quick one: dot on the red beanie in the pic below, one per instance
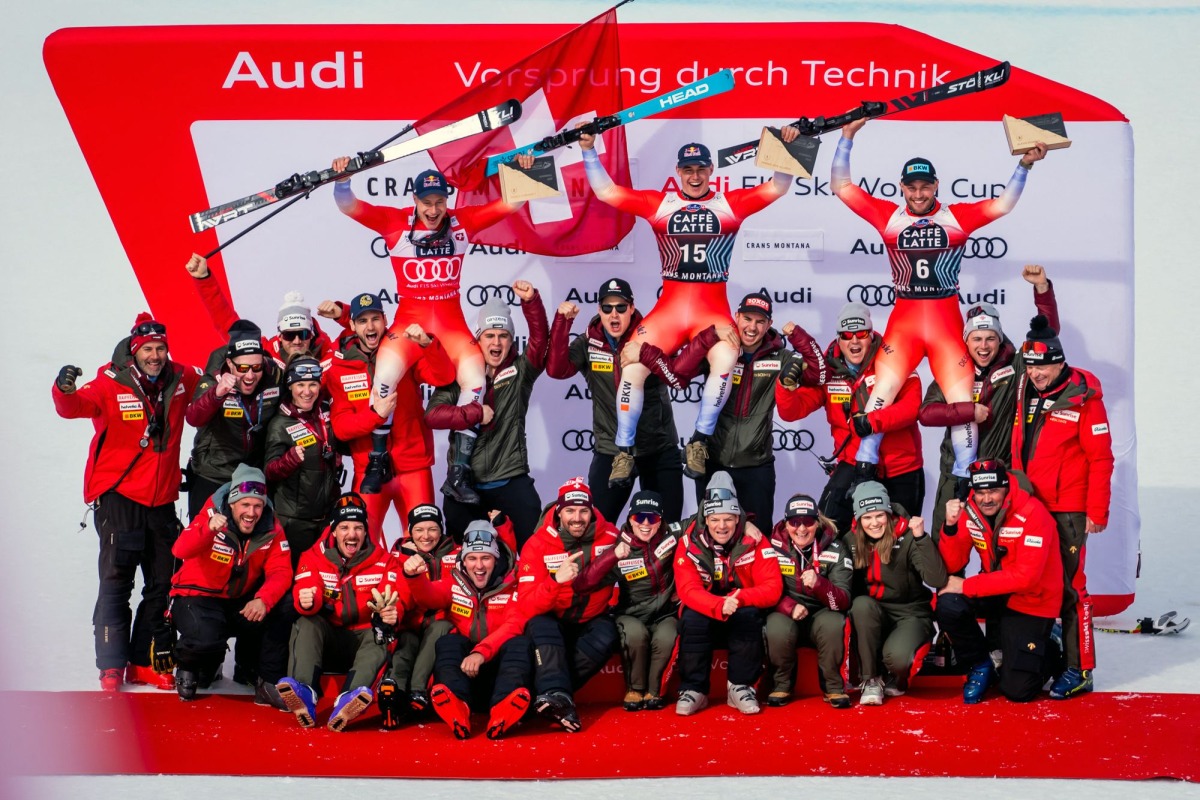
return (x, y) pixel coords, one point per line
(146, 329)
(574, 492)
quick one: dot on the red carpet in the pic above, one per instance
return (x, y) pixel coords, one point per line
(928, 733)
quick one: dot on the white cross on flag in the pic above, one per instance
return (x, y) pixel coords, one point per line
(574, 78)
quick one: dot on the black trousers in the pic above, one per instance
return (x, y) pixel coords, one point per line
(755, 490)
(568, 654)
(907, 489)
(1028, 659)
(301, 535)
(132, 537)
(518, 499)
(509, 670)
(700, 634)
(205, 625)
(660, 472)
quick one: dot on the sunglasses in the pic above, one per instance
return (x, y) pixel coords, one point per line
(149, 329)
(846, 336)
(244, 368)
(987, 465)
(479, 537)
(608, 308)
(802, 521)
(291, 336)
(252, 487)
(646, 518)
(306, 372)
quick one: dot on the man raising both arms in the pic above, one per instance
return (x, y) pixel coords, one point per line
(695, 228)
(925, 241)
(427, 243)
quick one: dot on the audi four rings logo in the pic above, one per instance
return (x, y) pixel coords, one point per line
(871, 294)
(574, 441)
(478, 295)
(985, 247)
(688, 394)
(432, 270)
(792, 441)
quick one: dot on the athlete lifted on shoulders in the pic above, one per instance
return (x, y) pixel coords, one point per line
(924, 240)
(427, 243)
(695, 228)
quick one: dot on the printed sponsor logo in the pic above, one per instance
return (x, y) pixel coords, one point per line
(131, 405)
(748, 558)
(223, 548)
(554, 561)
(270, 394)
(505, 374)
(666, 548)
(637, 574)
(479, 294)
(460, 610)
(1002, 373)
(234, 413)
(1010, 532)
(1033, 541)
(361, 394)
(771, 365)
(791, 441)
(574, 441)
(1067, 416)
(631, 564)
(124, 398)
(357, 376)
(368, 580)
(1100, 428)
(132, 416)
(500, 599)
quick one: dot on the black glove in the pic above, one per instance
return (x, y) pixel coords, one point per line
(384, 633)
(861, 425)
(790, 376)
(162, 647)
(66, 378)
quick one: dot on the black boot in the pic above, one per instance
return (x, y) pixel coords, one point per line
(863, 471)
(458, 475)
(392, 705)
(186, 684)
(379, 466)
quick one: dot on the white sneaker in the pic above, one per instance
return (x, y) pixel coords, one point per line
(690, 701)
(872, 693)
(742, 697)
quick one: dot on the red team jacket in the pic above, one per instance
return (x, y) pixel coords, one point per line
(120, 415)
(540, 559)
(344, 587)
(900, 450)
(749, 567)
(489, 619)
(209, 558)
(1029, 570)
(349, 381)
(1071, 465)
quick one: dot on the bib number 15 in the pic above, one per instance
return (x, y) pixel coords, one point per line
(694, 252)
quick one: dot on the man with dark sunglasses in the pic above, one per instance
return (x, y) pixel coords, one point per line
(1062, 442)
(230, 411)
(1018, 590)
(137, 405)
(298, 334)
(596, 354)
(235, 569)
(998, 363)
(741, 443)
(851, 359)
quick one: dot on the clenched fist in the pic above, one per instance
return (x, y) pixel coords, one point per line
(197, 266)
(66, 378)
(568, 309)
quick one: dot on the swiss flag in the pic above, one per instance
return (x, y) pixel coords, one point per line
(574, 78)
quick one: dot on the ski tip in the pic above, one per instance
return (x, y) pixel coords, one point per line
(510, 111)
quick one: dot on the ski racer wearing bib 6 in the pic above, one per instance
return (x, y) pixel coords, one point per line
(695, 228)
(427, 243)
(925, 241)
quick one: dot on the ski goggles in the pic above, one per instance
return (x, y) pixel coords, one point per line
(717, 494)
(609, 308)
(646, 518)
(242, 369)
(245, 488)
(150, 328)
(291, 336)
(479, 537)
(304, 372)
(846, 336)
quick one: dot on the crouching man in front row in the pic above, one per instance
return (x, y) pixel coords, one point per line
(334, 596)
(1018, 589)
(486, 659)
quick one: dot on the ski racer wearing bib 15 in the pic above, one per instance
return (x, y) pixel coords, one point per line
(427, 243)
(925, 241)
(695, 228)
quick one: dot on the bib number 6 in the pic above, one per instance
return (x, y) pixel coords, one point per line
(922, 268)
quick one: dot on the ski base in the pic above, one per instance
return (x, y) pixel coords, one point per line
(489, 119)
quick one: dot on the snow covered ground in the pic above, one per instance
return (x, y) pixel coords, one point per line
(67, 302)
